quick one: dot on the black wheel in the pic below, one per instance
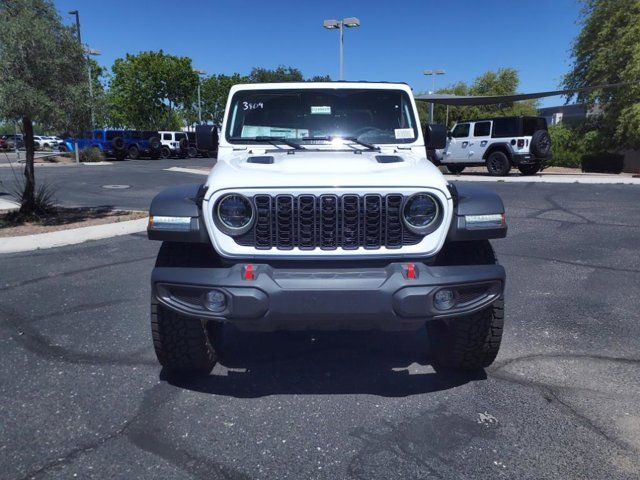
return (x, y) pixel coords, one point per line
(133, 152)
(498, 164)
(154, 143)
(530, 169)
(62, 147)
(165, 152)
(470, 342)
(540, 145)
(118, 143)
(192, 152)
(455, 169)
(182, 344)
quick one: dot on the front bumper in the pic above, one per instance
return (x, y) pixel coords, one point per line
(354, 298)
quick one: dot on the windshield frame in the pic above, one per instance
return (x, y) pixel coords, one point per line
(401, 89)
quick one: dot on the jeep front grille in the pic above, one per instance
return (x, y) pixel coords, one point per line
(328, 222)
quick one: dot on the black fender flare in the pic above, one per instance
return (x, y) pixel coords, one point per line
(500, 146)
(470, 199)
(179, 201)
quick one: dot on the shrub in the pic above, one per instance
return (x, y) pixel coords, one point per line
(567, 146)
(91, 155)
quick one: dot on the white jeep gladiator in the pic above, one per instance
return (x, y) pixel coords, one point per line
(323, 212)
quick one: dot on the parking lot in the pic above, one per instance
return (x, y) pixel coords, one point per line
(82, 394)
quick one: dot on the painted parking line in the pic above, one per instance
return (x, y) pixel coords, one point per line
(187, 170)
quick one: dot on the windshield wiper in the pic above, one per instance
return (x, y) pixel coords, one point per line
(273, 141)
(368, 146)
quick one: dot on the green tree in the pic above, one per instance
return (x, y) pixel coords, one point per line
(607, 51)
(504, 81)
(279, 74)
(43, 77)
(214, 93)
(146, 90)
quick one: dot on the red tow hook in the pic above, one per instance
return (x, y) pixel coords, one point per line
(248, 272)
(412, 273)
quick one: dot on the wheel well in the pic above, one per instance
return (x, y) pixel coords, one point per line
(500, 147)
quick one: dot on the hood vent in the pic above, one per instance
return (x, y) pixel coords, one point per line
(389, 159)
(262, 159)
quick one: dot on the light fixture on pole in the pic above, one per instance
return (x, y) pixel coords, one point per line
(433, 74)
(200, 74)
(349, 22)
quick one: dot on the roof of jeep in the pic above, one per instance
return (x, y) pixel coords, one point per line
(510, 117)
(330, 84)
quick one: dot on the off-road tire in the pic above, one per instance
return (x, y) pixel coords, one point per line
(470, 342)
(540, 145)
(455, 169)
(165, 152)
(498, 164)
(192, 152)
(182, 344)
(133, 153)
(154, 143)
(529, 169)
(118, 143)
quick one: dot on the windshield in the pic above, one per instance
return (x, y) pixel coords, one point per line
(369, 115)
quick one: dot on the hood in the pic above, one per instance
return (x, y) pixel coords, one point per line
(331, 169)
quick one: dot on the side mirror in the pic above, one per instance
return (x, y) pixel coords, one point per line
(436, 136)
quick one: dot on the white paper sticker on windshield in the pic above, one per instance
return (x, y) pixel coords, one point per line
(402, 133)
(320, 110)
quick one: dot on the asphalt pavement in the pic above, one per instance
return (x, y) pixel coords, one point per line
(83, 396)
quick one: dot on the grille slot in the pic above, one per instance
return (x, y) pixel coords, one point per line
(328, 222)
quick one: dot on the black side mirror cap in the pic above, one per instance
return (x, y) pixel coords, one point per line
(436, 136)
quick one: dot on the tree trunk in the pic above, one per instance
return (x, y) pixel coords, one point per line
(28, 203)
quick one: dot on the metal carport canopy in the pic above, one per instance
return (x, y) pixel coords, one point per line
(449, 99)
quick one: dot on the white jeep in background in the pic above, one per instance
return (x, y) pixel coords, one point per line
(323, 212)
(173, 144)
(498, 143)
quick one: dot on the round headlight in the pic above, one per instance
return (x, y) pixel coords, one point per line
(235, 214)
(420, 212)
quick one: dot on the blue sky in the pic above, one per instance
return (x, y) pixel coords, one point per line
(396, 40)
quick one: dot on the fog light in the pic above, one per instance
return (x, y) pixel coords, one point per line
(215, 301)
(443, 299)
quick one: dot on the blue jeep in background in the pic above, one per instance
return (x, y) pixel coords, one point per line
(118, 144)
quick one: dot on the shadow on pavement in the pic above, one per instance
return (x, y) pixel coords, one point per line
(389, 364)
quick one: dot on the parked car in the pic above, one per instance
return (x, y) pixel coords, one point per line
(110, 142)
(142, 144)
(42, 142)
(499, 143)
(322, 211)
(14, 141)
(174, 144)
(203, 142)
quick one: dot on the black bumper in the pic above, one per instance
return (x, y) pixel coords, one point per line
(527, 159)
(356, 298)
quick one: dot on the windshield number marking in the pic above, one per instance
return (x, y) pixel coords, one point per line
(252, 106)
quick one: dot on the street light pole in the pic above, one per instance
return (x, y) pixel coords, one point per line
(349, 22)
(433, 73)
(200, 73)
(77, 14)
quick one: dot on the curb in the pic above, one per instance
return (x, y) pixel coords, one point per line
(592, 180)
(27, 243)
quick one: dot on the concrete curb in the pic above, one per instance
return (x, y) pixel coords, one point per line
(550, 178)
(72, 236)
(187, 170)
